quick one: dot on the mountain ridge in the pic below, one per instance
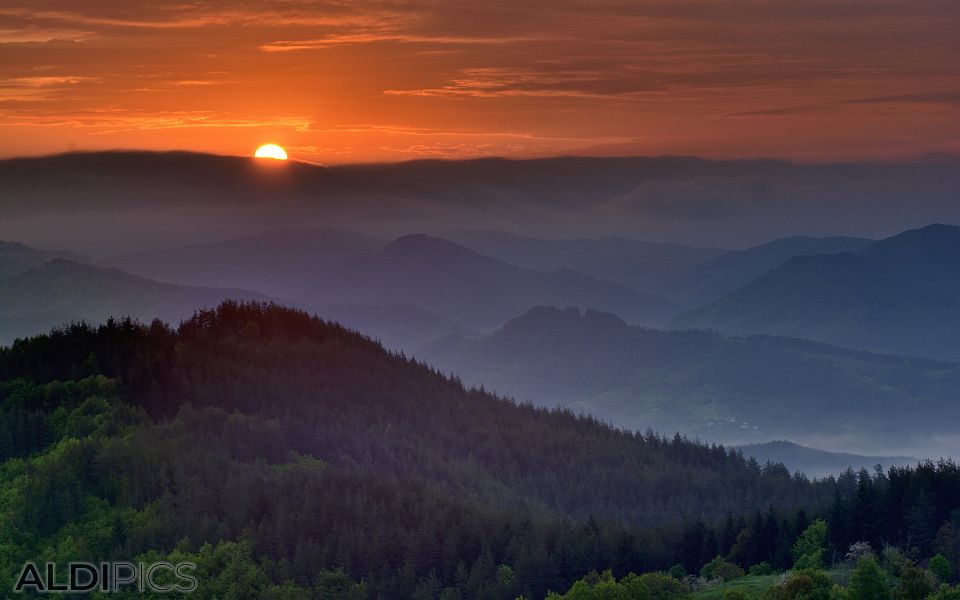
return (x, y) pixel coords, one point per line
(477, 290)
(730, 389)
(62, 291)
(76, 200)
(898, 295)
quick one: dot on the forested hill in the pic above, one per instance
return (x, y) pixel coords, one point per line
(312, 446)
(340, 397)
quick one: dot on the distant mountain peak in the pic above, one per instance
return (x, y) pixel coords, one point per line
(563, 323)
(930, 236)
(17, 257)
(59, 266)
(421, 243)
(569, 314)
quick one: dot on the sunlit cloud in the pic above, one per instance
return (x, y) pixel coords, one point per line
(118, 121)
(803, 78)
(41, 35)
(198, 82)
(44, 81)
(197, 16)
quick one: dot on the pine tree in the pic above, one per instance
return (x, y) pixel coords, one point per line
(868, 582)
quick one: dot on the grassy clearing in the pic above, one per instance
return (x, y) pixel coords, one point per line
(753, 585)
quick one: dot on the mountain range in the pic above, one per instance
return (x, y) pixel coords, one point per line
(645, 266)
(61, 291)
(16, 258)
(708, 280)
(282, 264)
(318, 268)
(110, 202)
(897, 295)
(476, 290)
(731, 389)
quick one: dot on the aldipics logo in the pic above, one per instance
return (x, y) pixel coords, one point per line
(159, 577)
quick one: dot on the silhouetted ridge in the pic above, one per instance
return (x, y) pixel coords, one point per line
(420, 248)
(937, 237)
(16, 258)
(61, 291)
(899, 295)
(566, 322)
(477, 291)
(713, 278)
(734, 389)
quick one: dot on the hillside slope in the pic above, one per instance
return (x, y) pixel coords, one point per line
(478, 291)
(641, 265)
(280, 264)
(898, 295)
(62, 291)
(705, 384)
(713, 278)
(15, 258)
(312, 448)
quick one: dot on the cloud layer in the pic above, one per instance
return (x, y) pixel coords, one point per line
(347, 80)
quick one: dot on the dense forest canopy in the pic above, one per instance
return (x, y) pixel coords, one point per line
(263, 441)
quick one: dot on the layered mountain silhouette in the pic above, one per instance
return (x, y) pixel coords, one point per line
(15, 258)
(713, 278)
(819, 463)
(898, 295)
(396, 326)
(645, 266)
(405, 293)
(109, 202)
(442, 280)
(61, 291)
(730, 389)
(283, 264)
(476, 290)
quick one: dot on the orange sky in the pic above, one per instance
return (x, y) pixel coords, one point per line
(344, 81)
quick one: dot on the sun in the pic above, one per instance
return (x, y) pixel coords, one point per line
(271, 151)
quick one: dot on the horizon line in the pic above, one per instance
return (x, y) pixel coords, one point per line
(930, 158)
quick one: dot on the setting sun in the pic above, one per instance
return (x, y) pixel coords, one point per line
(271, 151)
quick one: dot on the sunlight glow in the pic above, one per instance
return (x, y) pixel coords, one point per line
(271, 151)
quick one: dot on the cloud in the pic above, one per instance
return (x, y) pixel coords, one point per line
(148, 15)
(198, 82)
(949, 97)
(42, 35)
(44, 81)
(386, 37)
(113, 121)
(664, 71)
(535, 81)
